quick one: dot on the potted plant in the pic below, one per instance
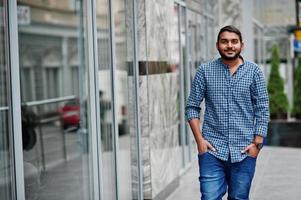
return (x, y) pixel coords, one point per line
(297, 92)
(278, 99)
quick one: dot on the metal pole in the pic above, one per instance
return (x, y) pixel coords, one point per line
(187, 76)
(114, 96)
(182, 93)
(16, 99)
(137, 105)
(93, 112)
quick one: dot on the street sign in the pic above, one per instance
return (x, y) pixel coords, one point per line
(23, 15)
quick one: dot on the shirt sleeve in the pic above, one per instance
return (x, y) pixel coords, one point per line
(260, 100)
(193, 105)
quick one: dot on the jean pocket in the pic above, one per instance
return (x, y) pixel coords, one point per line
(201, 154)
(252, 156)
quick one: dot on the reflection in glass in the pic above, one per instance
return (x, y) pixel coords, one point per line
(105, 99)
(6, 167)
(56, 142)
(182, 37)
(122, 11)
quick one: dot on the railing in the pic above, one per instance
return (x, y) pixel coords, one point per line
(47, 120)
(3, 109)
(49, 101)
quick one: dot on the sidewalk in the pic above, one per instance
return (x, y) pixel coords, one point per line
(278, 177)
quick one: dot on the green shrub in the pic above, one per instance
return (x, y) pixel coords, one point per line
(297, 91)
(277, 97)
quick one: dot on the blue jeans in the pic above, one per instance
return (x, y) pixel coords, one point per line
(216, 176)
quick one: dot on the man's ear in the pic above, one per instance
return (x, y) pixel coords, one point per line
(242, 46)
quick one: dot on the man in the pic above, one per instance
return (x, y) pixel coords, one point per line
(235, 120)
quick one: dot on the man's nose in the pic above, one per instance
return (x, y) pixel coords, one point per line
(229, 44)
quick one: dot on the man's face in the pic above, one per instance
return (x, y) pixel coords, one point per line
(229, 46)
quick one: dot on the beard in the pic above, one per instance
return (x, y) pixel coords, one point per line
(224, 56)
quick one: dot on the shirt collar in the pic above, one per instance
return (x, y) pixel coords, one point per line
(226, 66)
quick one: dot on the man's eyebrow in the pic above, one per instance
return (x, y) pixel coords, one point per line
(231, 39)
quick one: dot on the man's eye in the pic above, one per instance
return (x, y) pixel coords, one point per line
(234, 41)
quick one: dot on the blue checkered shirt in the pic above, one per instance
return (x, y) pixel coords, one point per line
(237, 106)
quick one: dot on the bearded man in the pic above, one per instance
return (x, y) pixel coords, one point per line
(235, 120)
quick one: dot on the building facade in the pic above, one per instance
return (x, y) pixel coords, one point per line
(93, 93)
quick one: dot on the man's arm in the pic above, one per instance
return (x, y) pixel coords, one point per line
(202, 144)
(192, 110)
(260, 101)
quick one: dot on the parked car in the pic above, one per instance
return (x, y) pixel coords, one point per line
(70, 114)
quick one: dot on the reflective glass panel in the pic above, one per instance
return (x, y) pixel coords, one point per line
(54, 98)
(105, 99)
(125, 101)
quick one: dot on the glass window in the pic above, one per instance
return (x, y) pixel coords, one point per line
(105, 99)
(122, 11)
(54, 98)
(6, 167)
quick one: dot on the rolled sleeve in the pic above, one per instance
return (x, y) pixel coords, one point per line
(261, 130)
(260, 104)
(192, 109)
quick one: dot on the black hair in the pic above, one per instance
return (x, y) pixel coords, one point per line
(229, 28)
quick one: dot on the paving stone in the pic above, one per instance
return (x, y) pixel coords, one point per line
(277, 177)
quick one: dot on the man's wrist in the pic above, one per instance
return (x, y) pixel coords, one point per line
(258, 139)
(200, 138)
(258, 142)
(258, 145)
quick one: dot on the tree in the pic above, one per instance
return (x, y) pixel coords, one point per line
(277, 97)
(297, 91)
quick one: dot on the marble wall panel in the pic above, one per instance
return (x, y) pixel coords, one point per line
(159, 133)
(166, 161)
(141, 30)
(165, 156)
(163, 100)
(159, 17)
(145, 142)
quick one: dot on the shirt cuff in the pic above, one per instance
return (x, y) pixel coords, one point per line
(261, 130)
(192, 114)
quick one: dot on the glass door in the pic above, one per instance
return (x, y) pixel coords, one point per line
(55, 100)
(117, 100)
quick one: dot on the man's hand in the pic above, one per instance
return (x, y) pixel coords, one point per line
(252, 150)
(203, 146)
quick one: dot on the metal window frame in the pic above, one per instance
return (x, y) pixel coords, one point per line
(93, 97)
(15, 101)
(188, 72)
(115, 137)
(182, 89)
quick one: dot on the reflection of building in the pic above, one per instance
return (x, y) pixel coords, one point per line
(276, 21)
(136, 144)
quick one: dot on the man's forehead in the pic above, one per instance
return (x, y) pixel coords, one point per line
(228, 35)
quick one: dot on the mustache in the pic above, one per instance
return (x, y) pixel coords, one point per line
(229, 49)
